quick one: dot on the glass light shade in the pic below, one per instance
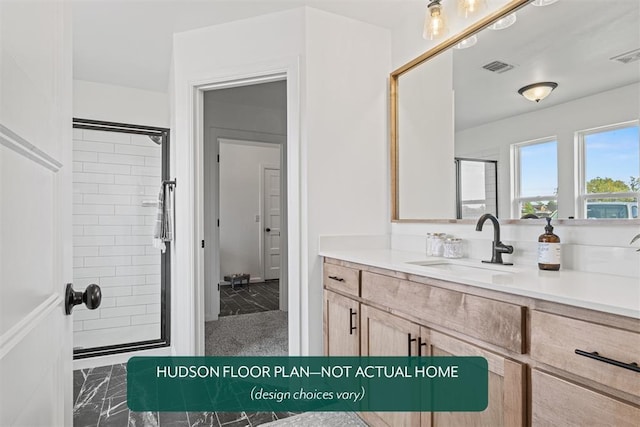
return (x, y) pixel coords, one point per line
(468, 8)
(466, 43)
(435, 23)
(505, 22)
(538, 91)
(543, 2)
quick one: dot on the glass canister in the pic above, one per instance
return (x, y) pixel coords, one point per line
(429, 244)
(437, 245)
(453, 248)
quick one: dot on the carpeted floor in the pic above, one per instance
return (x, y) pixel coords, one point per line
(255, 334)
(320, 419)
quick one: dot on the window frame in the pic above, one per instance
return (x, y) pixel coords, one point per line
(581, 165)
(516, 178)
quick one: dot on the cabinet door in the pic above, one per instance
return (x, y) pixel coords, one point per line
(341, 325)
(384, 334)
(506, 386)
(560, 402)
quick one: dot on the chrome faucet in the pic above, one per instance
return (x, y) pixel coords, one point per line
(498, 248)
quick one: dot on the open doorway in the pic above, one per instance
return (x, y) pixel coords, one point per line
(245, 224)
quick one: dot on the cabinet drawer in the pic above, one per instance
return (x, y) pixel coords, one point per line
(491, 321)
(555, 339)
(342, 279)
(559, 402)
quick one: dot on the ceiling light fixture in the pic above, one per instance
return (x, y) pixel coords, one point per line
(538, 91)
(543, 2)
(435, 22)
(503, 23)
(466, 43)
(469, 8)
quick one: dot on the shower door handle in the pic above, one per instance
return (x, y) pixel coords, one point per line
(91, 297)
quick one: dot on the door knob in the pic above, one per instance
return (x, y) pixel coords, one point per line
(267, 229)
(92, 296)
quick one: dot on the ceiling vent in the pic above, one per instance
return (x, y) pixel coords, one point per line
(628, 57)
(498, 67)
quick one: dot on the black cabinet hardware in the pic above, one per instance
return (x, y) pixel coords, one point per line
(352, 313)
(409, 341)
(596, 356)
(336, 278)
(420, 345)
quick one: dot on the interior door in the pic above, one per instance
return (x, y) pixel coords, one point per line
(271, 192)
(35, 213)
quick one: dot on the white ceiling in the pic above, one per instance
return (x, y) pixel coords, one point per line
(568, 42)
(129, 43)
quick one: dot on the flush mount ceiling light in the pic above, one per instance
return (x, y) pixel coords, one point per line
(505, 22)
(435, 22)
(543, 2)
(469, 8)
(537, 91)
(466, 43)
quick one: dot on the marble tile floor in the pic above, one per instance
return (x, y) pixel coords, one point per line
(100, 399)
(252, 298)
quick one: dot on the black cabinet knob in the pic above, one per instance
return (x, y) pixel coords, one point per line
(91, 297)
(267, 229)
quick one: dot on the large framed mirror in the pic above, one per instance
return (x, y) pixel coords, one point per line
(574, 154)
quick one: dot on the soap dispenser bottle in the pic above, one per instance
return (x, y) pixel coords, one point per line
(549, 249)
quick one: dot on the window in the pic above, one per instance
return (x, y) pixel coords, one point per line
(609, 172)
(476, 187)
(535, 178)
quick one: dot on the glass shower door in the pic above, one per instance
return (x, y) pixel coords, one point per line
(119, 172)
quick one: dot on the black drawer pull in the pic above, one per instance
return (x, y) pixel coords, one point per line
(420, 345)
(352, 328)
(594, 355)
(336, 278)
(409, 341)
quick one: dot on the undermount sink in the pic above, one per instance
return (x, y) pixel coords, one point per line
(465, 267)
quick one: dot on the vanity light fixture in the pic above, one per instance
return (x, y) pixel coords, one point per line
(466, 43)
(435, 22)
(537, 91)
(543, 2)
(505, 22)
(469, 8)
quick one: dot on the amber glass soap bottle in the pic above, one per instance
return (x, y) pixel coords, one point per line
(549, 249)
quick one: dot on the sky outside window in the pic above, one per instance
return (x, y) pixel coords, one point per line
(613, 154)
(539, 169)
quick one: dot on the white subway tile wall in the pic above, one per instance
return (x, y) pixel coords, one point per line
(113, 173)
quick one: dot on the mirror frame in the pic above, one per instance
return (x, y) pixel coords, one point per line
(510, 7)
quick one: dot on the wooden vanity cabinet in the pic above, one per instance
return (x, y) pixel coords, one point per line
(341, 323)
(560, 402)
(384, 334)
(507, 386)
(536, 377)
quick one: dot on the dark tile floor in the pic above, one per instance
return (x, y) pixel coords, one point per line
(100, 399)
(252, 298)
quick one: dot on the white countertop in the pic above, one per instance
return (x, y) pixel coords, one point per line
(602, 292)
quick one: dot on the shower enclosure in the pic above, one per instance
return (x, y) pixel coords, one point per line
(119, 171)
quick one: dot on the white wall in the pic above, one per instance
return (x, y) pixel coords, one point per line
(104, 102)
(336, 140)
(425, 127)
(241, 234)
(347, 142)
(560, 121)
(113, 173)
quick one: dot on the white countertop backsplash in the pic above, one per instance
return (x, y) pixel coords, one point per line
(603, 278)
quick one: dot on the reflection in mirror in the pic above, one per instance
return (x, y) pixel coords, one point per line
(477, 188)
(591, 49)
